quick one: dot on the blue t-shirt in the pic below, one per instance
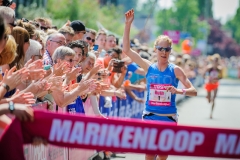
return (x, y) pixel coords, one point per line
(131, 68)
(158, 99)
(135, 77)
(76, 106)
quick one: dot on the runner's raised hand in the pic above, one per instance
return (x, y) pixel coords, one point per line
(129, 16)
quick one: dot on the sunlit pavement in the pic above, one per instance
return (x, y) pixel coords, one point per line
(196, 112)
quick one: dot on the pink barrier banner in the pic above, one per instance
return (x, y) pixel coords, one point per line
(174, 35)
(118, 135)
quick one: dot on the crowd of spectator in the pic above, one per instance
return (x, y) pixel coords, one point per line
(71, 67)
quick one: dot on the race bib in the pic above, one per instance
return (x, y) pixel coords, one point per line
(158, 95)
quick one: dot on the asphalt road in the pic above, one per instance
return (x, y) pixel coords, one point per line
(195, 111)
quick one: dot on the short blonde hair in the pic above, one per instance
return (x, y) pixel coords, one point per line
(162, 38)
(92, 31)
(51, 31)
(66, 30)
(9, 52)
(46, 21)
(101, 32)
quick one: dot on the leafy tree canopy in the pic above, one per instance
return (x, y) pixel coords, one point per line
(89, 12)
(234, 26)
(182, 16)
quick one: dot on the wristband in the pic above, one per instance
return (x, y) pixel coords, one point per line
(6, 86)
(184, 91)
(11, 107)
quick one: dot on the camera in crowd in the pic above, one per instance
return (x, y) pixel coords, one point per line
(117, 65)
(7, 3)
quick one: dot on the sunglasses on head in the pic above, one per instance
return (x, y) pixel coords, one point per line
(25, 20)
(44, 28)
(89, 39)
(167, 49)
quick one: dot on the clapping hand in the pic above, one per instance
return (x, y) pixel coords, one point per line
(13, 79)
(23, 98)
(60, 68)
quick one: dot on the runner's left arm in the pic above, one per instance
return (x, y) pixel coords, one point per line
(190, 89)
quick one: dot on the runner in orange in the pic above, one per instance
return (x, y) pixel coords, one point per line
(214, 74)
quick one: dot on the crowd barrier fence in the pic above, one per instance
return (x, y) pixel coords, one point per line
(118, 135)
(127, 108)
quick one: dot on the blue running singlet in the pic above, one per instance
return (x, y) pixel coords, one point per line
(158, 99)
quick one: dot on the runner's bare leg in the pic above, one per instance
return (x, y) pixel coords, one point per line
(213, 101)
(149, 157)
(160, 157)
(208, 96)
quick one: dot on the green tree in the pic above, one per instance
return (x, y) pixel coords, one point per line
(205, 8)
(234, 25)
(126, 4)
(182, 16)
(89, 12)
(32, 11)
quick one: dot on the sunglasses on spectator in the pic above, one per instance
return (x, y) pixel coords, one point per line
(44, 28)
(105, 74)
(70, 60)
(89, 39)
(59, 42)
(167, 49)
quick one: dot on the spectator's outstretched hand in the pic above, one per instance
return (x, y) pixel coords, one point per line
(38, 64)
(23, 98)
(36, 74)
(38, 87)
(96, 68)
(86, 86)
(23, 112)
(13, 79)
(72, 75)
(60, 68)
(56, 82)
(129, 16)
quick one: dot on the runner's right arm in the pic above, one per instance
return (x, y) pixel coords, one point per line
(129, 16)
